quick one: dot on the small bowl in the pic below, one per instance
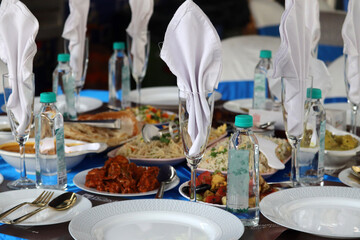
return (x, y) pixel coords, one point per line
(72, 159)
(336, 160)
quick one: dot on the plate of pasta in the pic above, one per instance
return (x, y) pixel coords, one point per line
(162, 151)
(119, 178)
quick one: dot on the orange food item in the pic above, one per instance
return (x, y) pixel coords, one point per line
(119, 176)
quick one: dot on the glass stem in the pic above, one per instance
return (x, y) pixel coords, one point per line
(193, 184)
(22, 160)
(354, 109)
(138, 87)
(294, 174)
(77, 99)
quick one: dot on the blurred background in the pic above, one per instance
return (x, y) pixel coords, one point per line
(107, 21)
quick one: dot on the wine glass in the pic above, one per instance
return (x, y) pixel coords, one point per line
(79, 76)
(195, 108)
(294, 116)
(138, 58)
(354, 106)
(21, 138)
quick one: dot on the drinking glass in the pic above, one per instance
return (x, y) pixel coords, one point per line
(299, 112)
(79, 76)
(354, 106)
(195, 108)
(21, 138)
(138, 62)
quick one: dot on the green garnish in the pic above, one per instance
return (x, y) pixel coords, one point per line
(214, 154)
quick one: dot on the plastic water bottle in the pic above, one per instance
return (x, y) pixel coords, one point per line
(62, 76)
(119, 78)
(49, 145)
(312, 146)
(242, 197)
(260, 80)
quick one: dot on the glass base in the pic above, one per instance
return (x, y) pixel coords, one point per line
(22, 183)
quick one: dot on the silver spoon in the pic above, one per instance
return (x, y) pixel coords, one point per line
(60, 203)
(166, 174)
(266, 125)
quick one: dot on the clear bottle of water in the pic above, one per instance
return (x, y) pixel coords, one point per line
(49, 145)
(312, 146)
(242, 197)
(119, 78)
(62, 77)
(261, 86)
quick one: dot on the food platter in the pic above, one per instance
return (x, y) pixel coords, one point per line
(79, 181)
(347, 178)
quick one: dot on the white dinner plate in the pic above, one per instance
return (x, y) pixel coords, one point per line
(1, 178)
(347, 178)
(79, 181)
(46, 217)
(241, 105)
(161, 96)
(331, 212)
(86, 104)
(155, 219)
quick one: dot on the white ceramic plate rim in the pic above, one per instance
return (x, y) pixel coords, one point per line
(79, 181)
(82, 225)
(148, 92)
(86, 103)
(102, 148)
(345, 179)
(270, 204)
(81, 205)
(1, 178)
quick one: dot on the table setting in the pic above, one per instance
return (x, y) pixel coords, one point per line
(159, 169)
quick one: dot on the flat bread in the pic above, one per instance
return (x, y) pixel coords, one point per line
(110, 136)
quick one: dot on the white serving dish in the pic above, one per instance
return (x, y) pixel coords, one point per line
(335, 160)
(72, 159)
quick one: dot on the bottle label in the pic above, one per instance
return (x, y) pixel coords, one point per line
(125, 98)
(259, 98)
(60, 151)
(322, 145)
(238, 180)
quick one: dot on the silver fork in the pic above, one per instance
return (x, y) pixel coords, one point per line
(40, 201)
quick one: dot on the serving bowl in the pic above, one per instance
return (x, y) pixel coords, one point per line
(335, 159)
(72, 158)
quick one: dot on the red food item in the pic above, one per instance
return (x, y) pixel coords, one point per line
(119, 176)
(221, 191)
(204, 178)
(213, 199)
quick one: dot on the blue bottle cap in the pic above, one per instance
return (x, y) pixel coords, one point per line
(265, 54)
(47, 97)
(314, 93)
(63, 57)
(244, 121)
(118, 45)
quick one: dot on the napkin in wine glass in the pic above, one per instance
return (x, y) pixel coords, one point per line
(351, 36)
(141, 12)
(75, 32)
(299, 36)
(18, 30)
(192, 51)
(317, 68)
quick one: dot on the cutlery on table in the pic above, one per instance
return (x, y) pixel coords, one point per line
(166, 174)
(40, 201)
(60, 203)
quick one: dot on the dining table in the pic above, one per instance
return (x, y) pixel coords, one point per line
(265, 230)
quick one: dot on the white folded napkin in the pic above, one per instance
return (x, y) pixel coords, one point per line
(318, 69)
(18, 30)
(299, 36)
(141, 11)
(351, 36)
(192, 51)
(75, 32)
